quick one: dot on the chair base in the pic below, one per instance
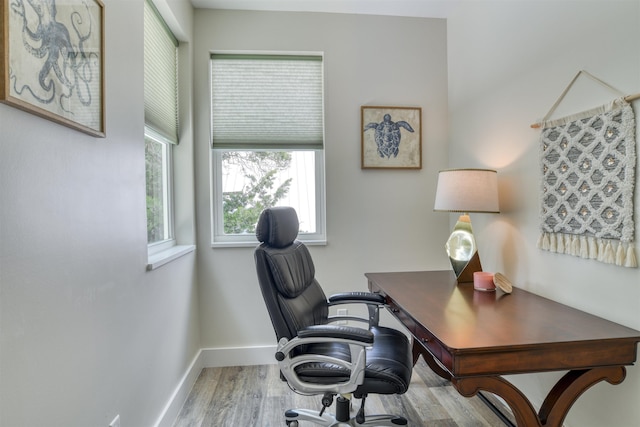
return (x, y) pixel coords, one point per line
(292, 417)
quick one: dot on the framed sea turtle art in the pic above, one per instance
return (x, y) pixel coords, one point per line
(391, 137)
(52, 60)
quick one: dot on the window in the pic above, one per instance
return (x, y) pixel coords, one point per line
(161, 126)
(267, 119)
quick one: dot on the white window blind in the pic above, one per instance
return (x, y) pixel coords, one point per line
(266, 101)
(160, 76)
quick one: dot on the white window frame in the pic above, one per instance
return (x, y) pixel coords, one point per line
(167, 173)
(221, 239)
(162, 252)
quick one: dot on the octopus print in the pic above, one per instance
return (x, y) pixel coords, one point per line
(58, 59)
(388, 136)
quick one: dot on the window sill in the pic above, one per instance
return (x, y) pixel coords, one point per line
(253, 244)
(164, 257)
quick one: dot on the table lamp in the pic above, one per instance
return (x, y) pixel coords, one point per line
(466, 191)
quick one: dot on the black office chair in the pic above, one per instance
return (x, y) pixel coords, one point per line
(315, 356)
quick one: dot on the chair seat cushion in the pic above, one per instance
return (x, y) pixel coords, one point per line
(388, 370)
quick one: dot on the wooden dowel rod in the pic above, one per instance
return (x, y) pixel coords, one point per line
(630, 98)
(627, 98)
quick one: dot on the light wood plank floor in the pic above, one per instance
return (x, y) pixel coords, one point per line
(254, 396)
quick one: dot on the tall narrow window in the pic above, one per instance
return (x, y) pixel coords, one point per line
(267, 118)
(161, 125)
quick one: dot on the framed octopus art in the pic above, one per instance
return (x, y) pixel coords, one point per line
(52, 60)
(391, 137)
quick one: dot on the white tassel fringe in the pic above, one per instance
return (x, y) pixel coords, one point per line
(589, 247)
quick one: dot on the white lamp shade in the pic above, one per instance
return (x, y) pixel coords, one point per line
(467, 190)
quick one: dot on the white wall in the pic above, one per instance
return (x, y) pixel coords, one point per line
(508, 63)
(86, 333)
(376, 220)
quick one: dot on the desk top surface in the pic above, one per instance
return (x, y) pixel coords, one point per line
(461, 318)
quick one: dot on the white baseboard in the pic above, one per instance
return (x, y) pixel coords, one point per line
(212, 358)
(180, 394)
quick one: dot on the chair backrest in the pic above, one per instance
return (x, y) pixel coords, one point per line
(286, 274)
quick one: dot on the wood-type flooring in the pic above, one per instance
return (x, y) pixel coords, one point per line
(254, 396)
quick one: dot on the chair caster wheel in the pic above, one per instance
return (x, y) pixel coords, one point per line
(292, 423)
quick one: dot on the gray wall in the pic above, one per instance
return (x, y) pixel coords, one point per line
(376, 220)
(85, 332)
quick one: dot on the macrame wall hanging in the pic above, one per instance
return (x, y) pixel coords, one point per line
(587, 165)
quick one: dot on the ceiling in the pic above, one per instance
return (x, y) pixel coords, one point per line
(417, 8)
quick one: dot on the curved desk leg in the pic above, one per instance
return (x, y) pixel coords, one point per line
(418, 350)
(557, 403)
(567, 390)
(523, 411)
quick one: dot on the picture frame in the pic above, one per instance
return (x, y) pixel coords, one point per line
(391, 137)
(52, 61)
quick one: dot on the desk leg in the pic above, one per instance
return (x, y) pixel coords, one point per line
(523, 411)
(418, 350)
(557, 403)
(567, 390)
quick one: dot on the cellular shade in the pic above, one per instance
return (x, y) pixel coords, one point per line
(160, 76)
(266, 101)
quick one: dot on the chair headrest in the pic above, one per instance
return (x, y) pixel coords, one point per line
(278, 226)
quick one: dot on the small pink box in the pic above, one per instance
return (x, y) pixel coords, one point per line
(483, 281)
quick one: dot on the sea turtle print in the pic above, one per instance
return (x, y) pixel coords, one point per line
(387, 135)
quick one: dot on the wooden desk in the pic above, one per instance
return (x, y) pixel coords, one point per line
(472, 338)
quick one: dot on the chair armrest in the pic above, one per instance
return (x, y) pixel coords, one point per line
(372, 300)
(333, 331)
(356, 298)
(357, 339)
